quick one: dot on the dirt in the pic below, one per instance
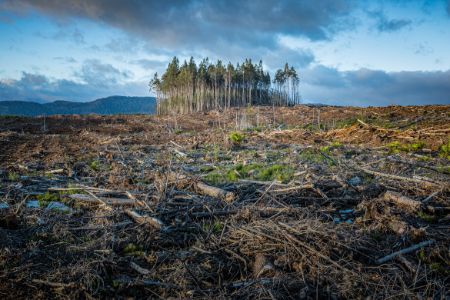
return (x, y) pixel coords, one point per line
(311, 214)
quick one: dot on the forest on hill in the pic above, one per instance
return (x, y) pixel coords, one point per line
(190, 88)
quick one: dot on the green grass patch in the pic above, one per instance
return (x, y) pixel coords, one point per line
(133, 250)
(215, 227)
(254, 171)
(427, 217)
(397, 147)
(13, 176)
(334, 145)
(94, 165)
(444, 150)
(45, 199)
(313, 156)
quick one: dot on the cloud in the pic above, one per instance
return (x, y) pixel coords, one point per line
(96, 73)
(65, 34)
(149, 63)
(373, 87)
(95, 80)
(388, 25)
(65, 59)
(202, 22)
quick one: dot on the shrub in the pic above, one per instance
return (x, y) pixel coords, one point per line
(236, 137)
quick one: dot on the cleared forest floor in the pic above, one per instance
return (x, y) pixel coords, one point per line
(297, 203)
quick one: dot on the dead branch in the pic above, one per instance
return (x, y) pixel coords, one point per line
(404, 251)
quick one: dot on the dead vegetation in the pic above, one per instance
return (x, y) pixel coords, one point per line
(302, 202)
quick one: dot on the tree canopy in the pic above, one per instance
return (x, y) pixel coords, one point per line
(189, 88)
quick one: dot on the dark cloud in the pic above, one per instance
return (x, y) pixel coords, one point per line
(372, 87)
(385, 24)
(96, 80)
(201, 22)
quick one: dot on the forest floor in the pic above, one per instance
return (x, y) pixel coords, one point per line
(302, 202)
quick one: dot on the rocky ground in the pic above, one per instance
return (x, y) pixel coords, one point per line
(301, 202)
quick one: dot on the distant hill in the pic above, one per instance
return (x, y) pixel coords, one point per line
(104, 106)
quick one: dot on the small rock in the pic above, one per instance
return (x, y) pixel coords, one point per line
(58, 206)
(355, 181)
(346, 211)
(32, 204)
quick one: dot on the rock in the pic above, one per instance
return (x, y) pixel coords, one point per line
(54, 205)
(32, 204)
(355, 181)
(4, 206)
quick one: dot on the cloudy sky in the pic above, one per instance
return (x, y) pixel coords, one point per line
(347, 52)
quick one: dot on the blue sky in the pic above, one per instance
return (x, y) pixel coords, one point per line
(347, 52)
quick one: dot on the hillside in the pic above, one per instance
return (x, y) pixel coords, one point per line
(104, 106)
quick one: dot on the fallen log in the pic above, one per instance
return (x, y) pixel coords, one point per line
(404, 251)
(154, 222)
(108, 201)
(412, 205)
(396, 177)
(214, 192)
(201, 187)
(403, 201)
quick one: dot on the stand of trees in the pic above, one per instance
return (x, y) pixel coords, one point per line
(190, 88)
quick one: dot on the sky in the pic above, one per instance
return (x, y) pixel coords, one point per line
(347, 52)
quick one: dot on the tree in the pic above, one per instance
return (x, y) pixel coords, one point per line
(188, 88)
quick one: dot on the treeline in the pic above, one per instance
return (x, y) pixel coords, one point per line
(190, 88)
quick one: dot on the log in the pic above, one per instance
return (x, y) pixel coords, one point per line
(201, 187)
(404, 251)
(400, 200)
(215, 192)
(396, 177)
(154, 222)
(108, 201)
